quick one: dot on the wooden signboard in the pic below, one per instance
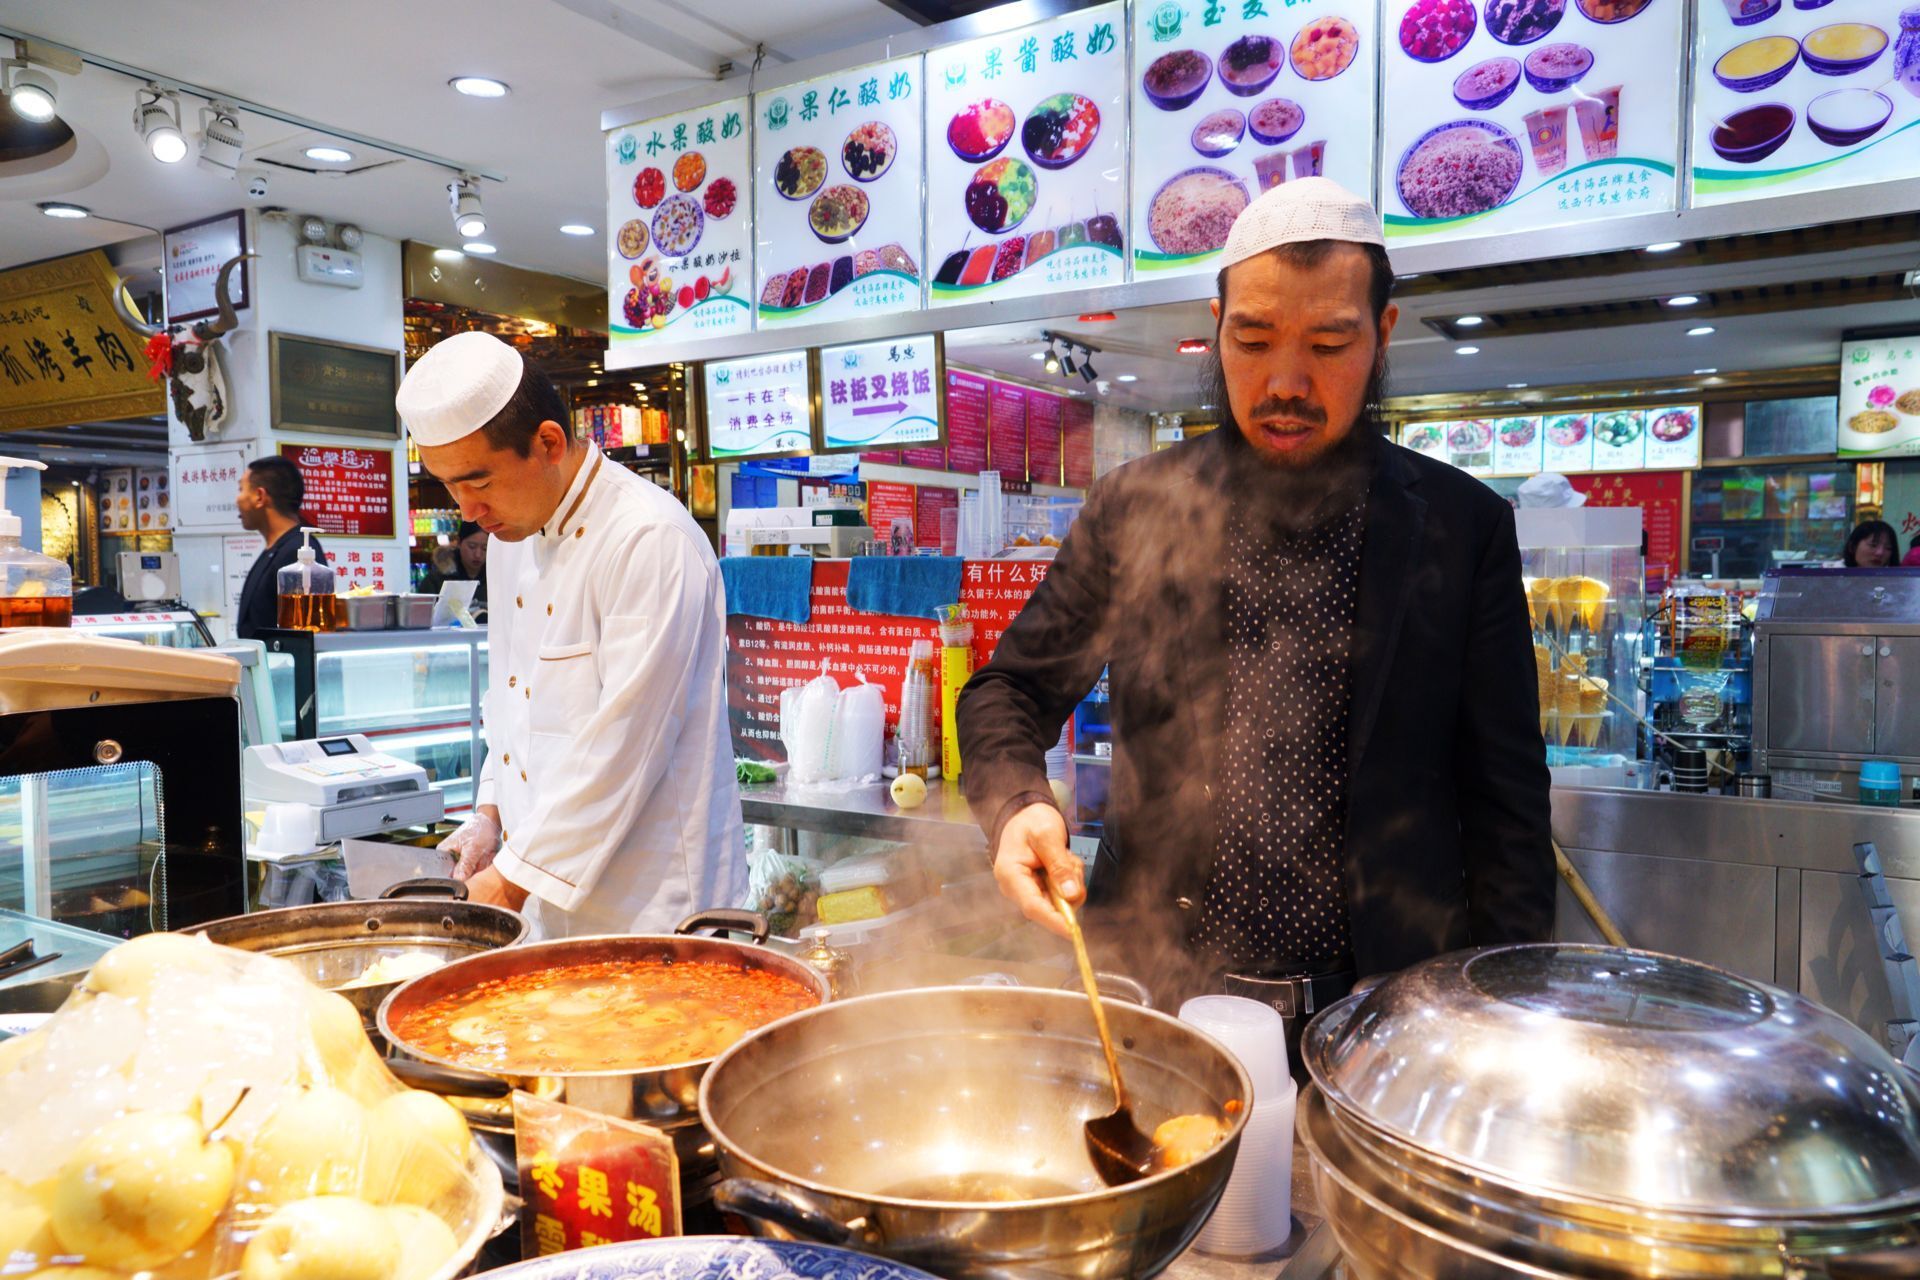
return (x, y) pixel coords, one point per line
(65, 356)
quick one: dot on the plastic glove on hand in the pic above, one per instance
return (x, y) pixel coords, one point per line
(475, 843)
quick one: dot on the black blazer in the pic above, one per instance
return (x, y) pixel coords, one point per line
(1447, 808)
(260, 596)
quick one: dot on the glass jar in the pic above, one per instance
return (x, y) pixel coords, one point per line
(1906, 51)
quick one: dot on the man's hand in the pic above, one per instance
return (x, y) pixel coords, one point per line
(476, 842)
(1033, 852)
(492, 889)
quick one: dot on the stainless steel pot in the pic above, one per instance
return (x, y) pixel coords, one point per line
(333, 943)
(666, 1097)
(942, 1128)
(1554, 1111)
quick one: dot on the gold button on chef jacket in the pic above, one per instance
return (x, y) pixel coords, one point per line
(608, 689)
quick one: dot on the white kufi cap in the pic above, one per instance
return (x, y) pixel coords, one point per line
(1305, 209)
(457, 387)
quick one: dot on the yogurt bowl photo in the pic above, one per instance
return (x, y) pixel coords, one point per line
(1751, 135)
(1757, 64)
(1844, 117)
(1554, 67)
(1843, 48)
(1485, 85)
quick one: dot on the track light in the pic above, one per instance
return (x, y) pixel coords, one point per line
(464, 197)
(1086, 366)
(1067, 365)
(29, 92)
(156, 119)
(221, 139)
(1053, 357)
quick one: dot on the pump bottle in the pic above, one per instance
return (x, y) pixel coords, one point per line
(307, 602)
(35, 590)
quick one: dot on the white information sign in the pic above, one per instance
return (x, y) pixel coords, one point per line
(758, 406)
(1521, 114)
(1880, 398)
(838, 195)
(1026, 159)
(206, 487)
(880, 395)
(679, 229)
(1231, 99)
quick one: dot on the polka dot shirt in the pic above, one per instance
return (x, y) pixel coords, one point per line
(1278, 890)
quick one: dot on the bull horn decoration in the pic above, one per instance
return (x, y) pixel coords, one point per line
(123, 307)
(228, 319)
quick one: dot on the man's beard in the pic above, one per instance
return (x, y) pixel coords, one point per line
(1295, 496)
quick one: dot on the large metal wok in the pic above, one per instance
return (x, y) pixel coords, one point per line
(665, 1096)
(1549, 1111)
(942, 1128)
(333, 943)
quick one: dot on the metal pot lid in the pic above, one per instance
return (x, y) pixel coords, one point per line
(708, 1258)
(1628, 1078)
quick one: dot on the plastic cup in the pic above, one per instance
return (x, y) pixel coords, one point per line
(1252, 1032)
(1255, 1213)
(1547, 133)
(1599, 117)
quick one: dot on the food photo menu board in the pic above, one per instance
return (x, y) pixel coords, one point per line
(838, 195)
(1518, 446)
(1026, 159)
(1569, 442)
(679, 226)
(1880, 397)
(1803, 97)
(757, 406)
(1232, 99)
(1511, 115)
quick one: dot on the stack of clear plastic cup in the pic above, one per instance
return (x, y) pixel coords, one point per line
(1255, 1214)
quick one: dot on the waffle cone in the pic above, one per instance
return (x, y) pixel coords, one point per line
(1593, 695)
(1587, 729)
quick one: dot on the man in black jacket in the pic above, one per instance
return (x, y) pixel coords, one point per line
(1327, 751)
(271, 491)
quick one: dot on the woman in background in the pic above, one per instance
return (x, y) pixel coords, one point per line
(1872, 545)
(464, 561)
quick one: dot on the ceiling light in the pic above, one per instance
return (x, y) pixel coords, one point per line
(1698, 372)
(1665, 246)
(480, 247)
(575, 229)
(478, 87)
(1466, 351)
(348, 237)
(448, 255)
(1086, 368)
(1066, 364)
(221, 139)
(1517, 386)
(156, 120)
(30, 93)
(1096, 317)
(1683, 300)
(328, 155)
(1193, 347)
(61, 209)
(1700, 331)
(463, 195)
(1129, 377)
(1038, 355)
(313, 229)
(1470, 322)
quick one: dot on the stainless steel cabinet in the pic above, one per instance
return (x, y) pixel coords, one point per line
(1896, 717)
(1820, 694)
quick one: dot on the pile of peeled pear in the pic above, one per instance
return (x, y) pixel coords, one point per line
(192, 1111)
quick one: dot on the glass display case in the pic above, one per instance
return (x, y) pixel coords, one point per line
(166, 628)
(416, 694)
(1748, 520)
(1585, 580)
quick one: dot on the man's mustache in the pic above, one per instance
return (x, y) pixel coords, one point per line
(1298, 410)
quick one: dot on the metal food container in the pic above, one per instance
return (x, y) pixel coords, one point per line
(943, 1128)
(413, 612)
(368, 613)
(1552, 1111)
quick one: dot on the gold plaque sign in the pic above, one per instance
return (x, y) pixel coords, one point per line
(65, 355)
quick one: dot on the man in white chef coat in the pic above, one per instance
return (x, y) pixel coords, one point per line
(607, 804)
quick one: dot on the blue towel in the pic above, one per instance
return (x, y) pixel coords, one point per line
(769, 586)
(904, 586)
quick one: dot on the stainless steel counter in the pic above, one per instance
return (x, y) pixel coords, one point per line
(867, 812)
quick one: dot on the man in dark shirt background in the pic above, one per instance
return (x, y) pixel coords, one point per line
(271, 491)
(1326, 747)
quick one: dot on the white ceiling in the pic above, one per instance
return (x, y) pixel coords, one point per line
(380, 69)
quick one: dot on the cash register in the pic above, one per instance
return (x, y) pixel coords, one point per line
(339, 788)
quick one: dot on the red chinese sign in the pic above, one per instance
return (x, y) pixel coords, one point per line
(371, 568)
(588, 1179)
(966, 423)
(1007, 430)
(1662, 499)
(887, 502)
(1076, 444)
(929, 502)
(765, 656)
(349, 491)
(1043, 436)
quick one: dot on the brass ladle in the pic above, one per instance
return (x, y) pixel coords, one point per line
(1121, 1152)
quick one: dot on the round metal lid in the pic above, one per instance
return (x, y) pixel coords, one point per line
(1626, 1077)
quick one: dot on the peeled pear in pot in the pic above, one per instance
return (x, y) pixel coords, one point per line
(338, 1035)
(324, 1238)
(312, 1145)
(17, 1051)
(132, 968)
(140, 1189)
(426, 1242)
(26, 1223)
(417, 1148)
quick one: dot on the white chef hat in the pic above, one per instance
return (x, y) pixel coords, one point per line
(1305, 209)
(457, 387)
(1549, 489)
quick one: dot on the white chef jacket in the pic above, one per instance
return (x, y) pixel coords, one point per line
(609, 754)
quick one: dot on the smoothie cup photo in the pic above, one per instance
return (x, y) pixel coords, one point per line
(1547, 132)
(1599, 116)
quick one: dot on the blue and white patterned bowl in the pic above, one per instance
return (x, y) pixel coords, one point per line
(709, 1258)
